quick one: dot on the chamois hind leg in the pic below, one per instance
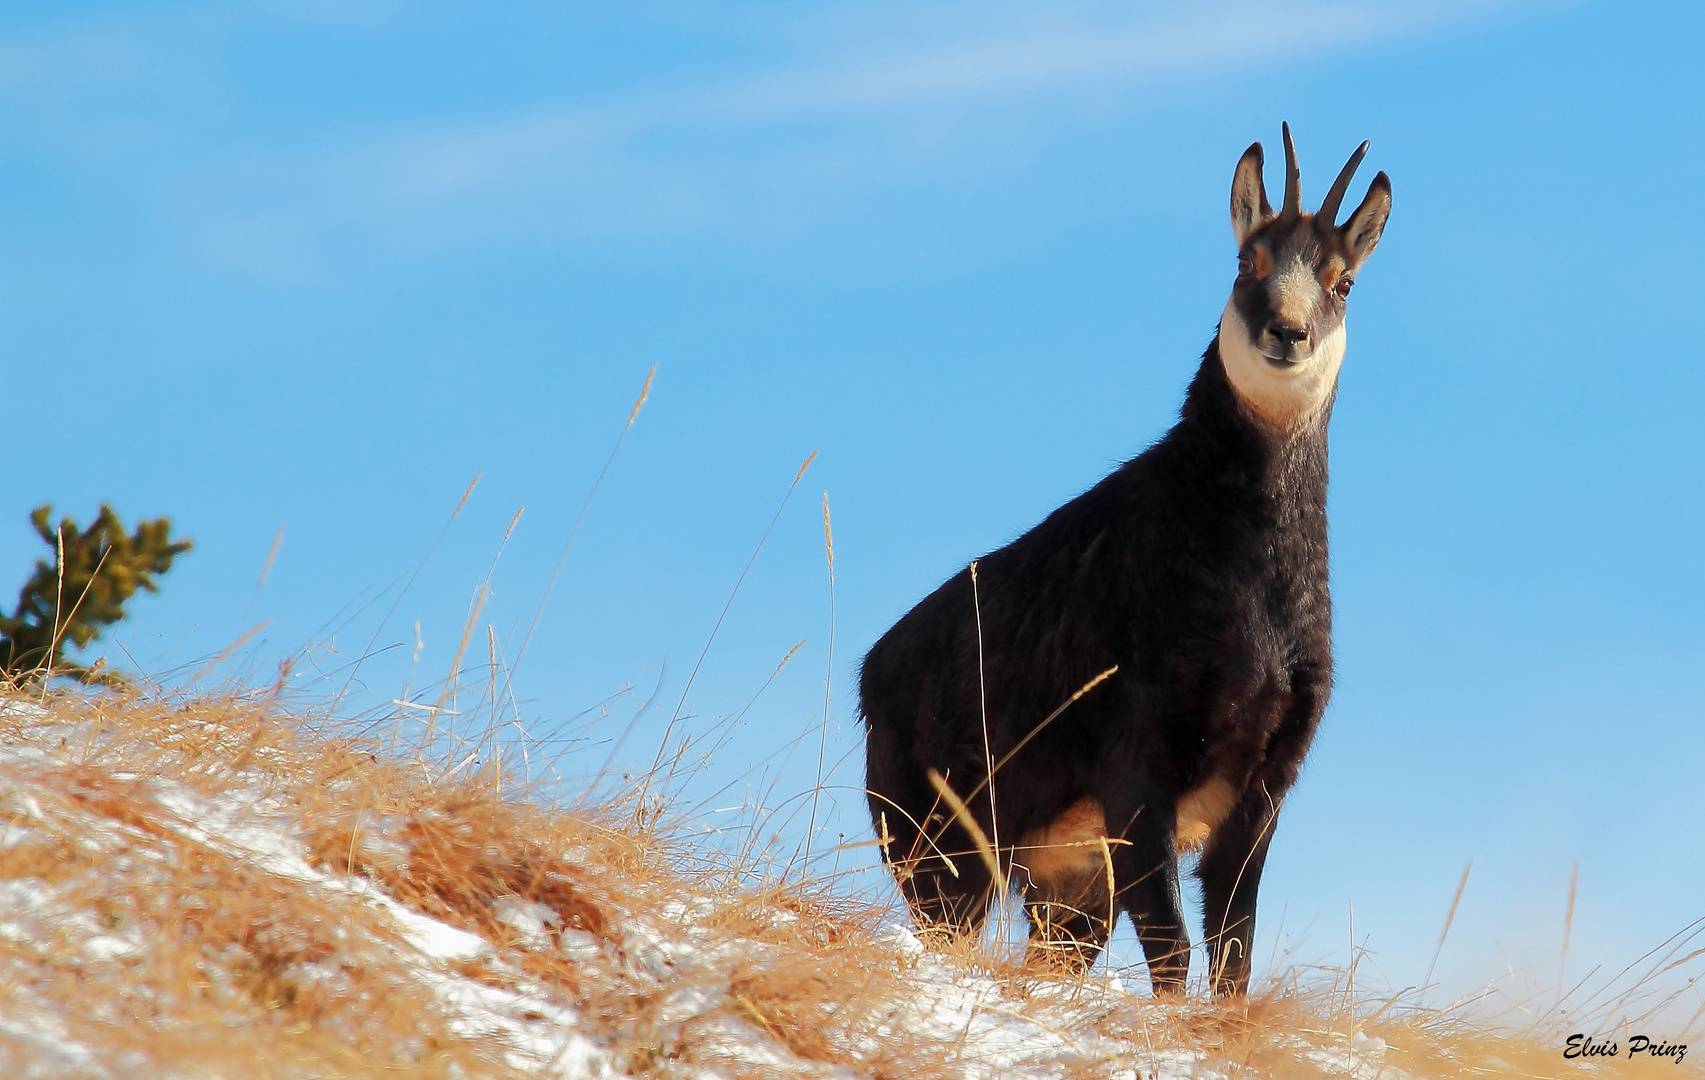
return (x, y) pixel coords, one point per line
(1064, 869)
(943, 878)
(1070, 917)
(948, 907)
(934, 861)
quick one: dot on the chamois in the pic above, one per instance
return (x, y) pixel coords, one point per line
(1192, 583)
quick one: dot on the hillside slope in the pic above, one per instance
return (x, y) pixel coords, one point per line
(206, 888)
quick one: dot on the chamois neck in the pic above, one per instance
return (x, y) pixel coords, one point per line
(1239, 441)
(1286, 396)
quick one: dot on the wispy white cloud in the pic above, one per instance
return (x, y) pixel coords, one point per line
(860, 94)
(1046, 52)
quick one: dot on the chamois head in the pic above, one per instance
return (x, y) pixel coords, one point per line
(1282, 333)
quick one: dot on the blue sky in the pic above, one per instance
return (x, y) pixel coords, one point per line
(316, 265)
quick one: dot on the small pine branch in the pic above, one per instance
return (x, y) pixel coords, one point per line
(73, 599)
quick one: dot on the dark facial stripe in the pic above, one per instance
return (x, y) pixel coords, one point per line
(1290, 254)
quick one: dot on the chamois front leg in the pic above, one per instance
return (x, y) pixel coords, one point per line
(1230, 872)
(1236, 852)
(1146, 874)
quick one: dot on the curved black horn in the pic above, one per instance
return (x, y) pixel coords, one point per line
(1293, 177)
(1329, 209)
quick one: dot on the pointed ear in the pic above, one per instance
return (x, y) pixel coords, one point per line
(1249, 207)
(1361, 232)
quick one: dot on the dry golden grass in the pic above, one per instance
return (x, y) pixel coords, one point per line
(214, 888)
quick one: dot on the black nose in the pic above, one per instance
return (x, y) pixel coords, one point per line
(1289, 334)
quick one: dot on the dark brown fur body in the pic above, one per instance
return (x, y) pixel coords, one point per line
(1197, 574)
(1198, 569)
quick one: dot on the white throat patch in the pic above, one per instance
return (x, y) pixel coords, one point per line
(1286, 397)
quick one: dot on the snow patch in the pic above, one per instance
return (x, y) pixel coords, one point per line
(674, 965)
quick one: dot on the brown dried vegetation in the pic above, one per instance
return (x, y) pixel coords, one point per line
(139, 929)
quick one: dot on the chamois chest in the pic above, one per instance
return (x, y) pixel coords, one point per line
(1222, 599)
(1228, 573)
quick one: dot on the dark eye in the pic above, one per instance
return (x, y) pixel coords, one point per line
(1245, 265)
(1342, 289)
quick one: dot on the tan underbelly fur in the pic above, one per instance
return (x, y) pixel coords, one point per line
(1200, 812)
(1072, 844)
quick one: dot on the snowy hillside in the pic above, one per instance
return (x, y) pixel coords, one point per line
(200, 889)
